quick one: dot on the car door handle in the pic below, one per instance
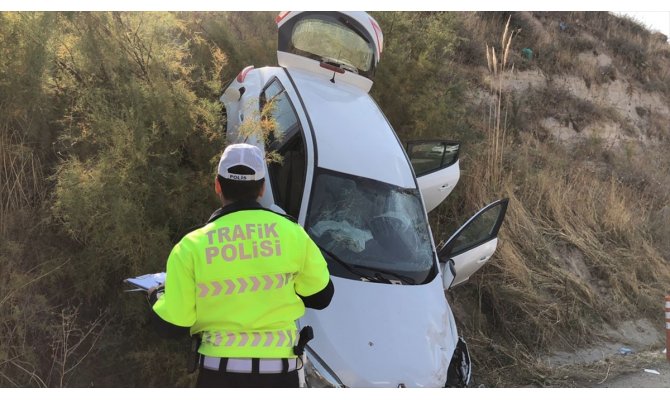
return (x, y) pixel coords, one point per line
(444, 187)
(483, 259)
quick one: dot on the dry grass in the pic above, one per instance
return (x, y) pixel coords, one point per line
(574, 252)
(558, 38)
(579, 247)
(637, 52)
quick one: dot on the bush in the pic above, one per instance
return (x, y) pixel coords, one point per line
(139, 130)
(426, 102)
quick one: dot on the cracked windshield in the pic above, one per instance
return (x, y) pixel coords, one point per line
(368, 223)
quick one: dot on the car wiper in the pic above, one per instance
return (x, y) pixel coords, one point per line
(348, 67)
(352, 269)
(379, 271)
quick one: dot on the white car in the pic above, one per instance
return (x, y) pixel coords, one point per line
(364, 200)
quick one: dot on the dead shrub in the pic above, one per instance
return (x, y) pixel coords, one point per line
(21, 180)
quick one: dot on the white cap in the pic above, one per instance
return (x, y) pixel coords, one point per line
(242, 154)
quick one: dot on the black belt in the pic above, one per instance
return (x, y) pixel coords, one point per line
(250, 365)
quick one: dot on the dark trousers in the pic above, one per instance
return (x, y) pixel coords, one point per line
(221, 379)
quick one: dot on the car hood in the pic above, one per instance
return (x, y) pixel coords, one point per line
(383, 335)
(348, 125)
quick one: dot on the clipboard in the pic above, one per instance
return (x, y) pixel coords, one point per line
(146, 282)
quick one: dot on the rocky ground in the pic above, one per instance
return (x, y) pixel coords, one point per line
(655, 374)
(631, 356)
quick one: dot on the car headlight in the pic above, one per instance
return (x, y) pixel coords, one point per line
(317, 372)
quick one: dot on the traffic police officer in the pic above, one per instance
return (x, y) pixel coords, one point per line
(241, 281)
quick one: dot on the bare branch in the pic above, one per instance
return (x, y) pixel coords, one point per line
(33, 375)
(92, 345)
(8, 379)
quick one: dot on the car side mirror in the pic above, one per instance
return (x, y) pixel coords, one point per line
(448, 273)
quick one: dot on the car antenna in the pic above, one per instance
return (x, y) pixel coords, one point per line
(338, 57)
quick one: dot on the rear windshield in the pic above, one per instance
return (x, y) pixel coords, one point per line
(332, 41)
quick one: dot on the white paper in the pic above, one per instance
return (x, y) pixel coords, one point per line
(147, 281)
(652, 371)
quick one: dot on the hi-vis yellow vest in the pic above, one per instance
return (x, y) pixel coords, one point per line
(234, 281)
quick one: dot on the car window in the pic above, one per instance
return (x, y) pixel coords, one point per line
(428, 156)
(481, 228)
(478, 231)
(283, 114)
(273, 89)
(287, 177)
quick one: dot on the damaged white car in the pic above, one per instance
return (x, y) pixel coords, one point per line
(364, 199)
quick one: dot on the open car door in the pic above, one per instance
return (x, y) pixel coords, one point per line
(472, 245)
(435, 164)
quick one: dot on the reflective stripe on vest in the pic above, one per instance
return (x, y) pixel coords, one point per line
(243, 285)
(283, 338)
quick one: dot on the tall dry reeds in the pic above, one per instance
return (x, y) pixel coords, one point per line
(498, 66)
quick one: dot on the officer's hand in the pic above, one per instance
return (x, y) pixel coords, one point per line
(155, 293)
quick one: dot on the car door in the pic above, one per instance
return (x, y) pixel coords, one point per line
(472, 245)
(435, 164)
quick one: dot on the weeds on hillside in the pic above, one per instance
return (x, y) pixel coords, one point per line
(574, 253)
